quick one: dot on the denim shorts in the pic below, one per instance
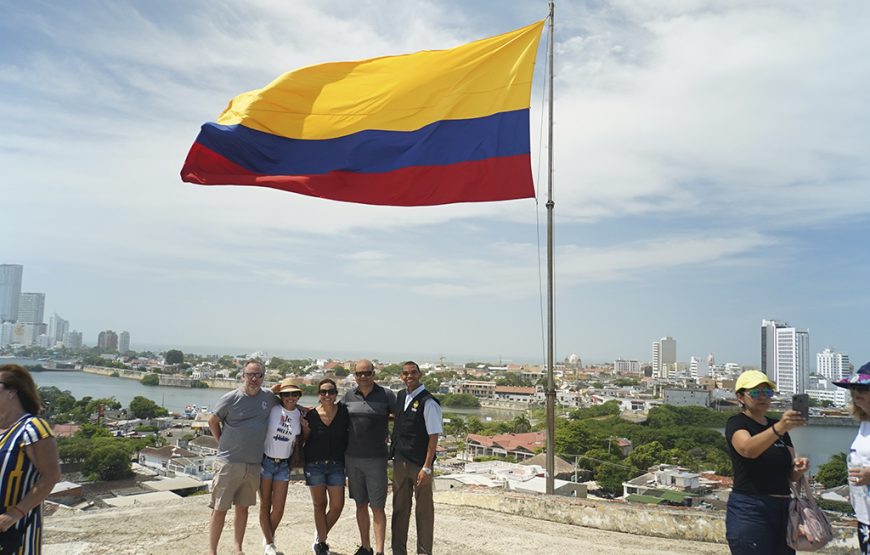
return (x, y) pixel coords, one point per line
(277, 472)
(329, 473)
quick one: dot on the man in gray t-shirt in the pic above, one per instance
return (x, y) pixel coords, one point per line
(239, 424)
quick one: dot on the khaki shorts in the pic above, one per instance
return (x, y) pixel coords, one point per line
(235, 484)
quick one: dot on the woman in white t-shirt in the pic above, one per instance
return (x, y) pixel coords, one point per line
(283, 436)
(859, 453)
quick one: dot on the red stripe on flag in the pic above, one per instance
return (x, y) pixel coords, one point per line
(492, 179)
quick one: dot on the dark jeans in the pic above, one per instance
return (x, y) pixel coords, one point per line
(757, 524)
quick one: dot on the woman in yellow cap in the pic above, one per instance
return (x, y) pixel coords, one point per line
(764, 463)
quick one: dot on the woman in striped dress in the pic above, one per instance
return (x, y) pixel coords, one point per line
(29, 466)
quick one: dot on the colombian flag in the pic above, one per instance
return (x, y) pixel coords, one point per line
(434, 127)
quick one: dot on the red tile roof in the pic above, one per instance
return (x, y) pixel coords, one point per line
(530, 441)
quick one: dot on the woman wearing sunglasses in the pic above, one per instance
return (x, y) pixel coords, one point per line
(324, 460)
(283, 436)
(859, 453)
(764, 463)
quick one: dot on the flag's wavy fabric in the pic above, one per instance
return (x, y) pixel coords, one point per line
(434, 127)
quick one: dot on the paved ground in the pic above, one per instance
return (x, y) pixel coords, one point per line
(181, 528)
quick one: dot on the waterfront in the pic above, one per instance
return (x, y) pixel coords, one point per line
(175, 399)
(816, 442)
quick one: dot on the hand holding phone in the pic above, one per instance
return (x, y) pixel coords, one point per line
(801, 403)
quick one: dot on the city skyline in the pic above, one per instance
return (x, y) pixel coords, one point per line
(700, 188)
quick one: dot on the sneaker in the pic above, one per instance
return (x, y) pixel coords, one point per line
(270, 549)
(364, 551)
(321, 548)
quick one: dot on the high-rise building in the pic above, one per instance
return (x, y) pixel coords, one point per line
(124, 342)
(26, 334)
(73, 340)
(57, 329)
(31, 308)
(10, 291)
(792, 364)
(108, 340)
(664, 355)
(833, 365)
(768, 344)
(6, 333)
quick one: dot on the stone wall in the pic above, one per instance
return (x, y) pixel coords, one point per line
(645, 520)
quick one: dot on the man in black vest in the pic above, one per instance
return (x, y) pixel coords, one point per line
(415, 437)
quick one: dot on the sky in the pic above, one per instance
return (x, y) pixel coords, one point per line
(711, 169)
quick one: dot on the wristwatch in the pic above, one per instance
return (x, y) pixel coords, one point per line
(427, 470)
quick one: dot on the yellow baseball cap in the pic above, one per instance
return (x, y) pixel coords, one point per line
(752, 378)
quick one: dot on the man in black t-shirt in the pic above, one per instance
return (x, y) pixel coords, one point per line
(370, 407)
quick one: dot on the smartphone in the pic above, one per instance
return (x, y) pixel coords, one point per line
(801, 403)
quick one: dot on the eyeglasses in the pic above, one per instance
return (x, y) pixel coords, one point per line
(254, 375)
(328, 391)
(291, 394)
(756, 393)
(364, 374)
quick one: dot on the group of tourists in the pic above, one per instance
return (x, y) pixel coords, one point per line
(765, 465)
(263, 434)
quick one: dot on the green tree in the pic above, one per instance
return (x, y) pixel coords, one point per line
(465, 400)
(173, 356)
(108, 462)
(454, 425)
(474, 425)
(141, 407)
(340, 371)
(150, 379)
(572, 438)
(646, 455)
(834, 472)
(610, 475)
(73, 449)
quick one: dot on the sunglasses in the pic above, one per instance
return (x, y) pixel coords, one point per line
(328, 391)
(253, 375)
(756, 393)
(364, 374)
(291, 394)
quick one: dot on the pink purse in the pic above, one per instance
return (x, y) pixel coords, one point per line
(808, 526)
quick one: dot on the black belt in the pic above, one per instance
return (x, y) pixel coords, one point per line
(274, 460)
(324, 462)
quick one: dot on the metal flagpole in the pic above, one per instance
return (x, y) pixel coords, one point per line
(551, 385)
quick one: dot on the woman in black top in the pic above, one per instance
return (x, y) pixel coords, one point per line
(325, 444)
(764, 463)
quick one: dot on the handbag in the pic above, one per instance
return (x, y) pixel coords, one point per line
(808, 526)
(10, 540)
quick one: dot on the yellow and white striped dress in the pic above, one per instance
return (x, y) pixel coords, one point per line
(18, 474)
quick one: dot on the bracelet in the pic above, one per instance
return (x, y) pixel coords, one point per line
(773, 427)
(23, 514)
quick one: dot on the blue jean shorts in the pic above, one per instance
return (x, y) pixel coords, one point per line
(275, 471)
(329, 473)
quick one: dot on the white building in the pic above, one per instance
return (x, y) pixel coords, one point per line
(31, 308)
(679, 397)
(768, 345)
(6, 333)
(124, 342)
(664, 353)
(792, 365)
(73, 340)
(832, 365)
(698, 368)
(57, 329)
(622, 366)
(10, 291)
